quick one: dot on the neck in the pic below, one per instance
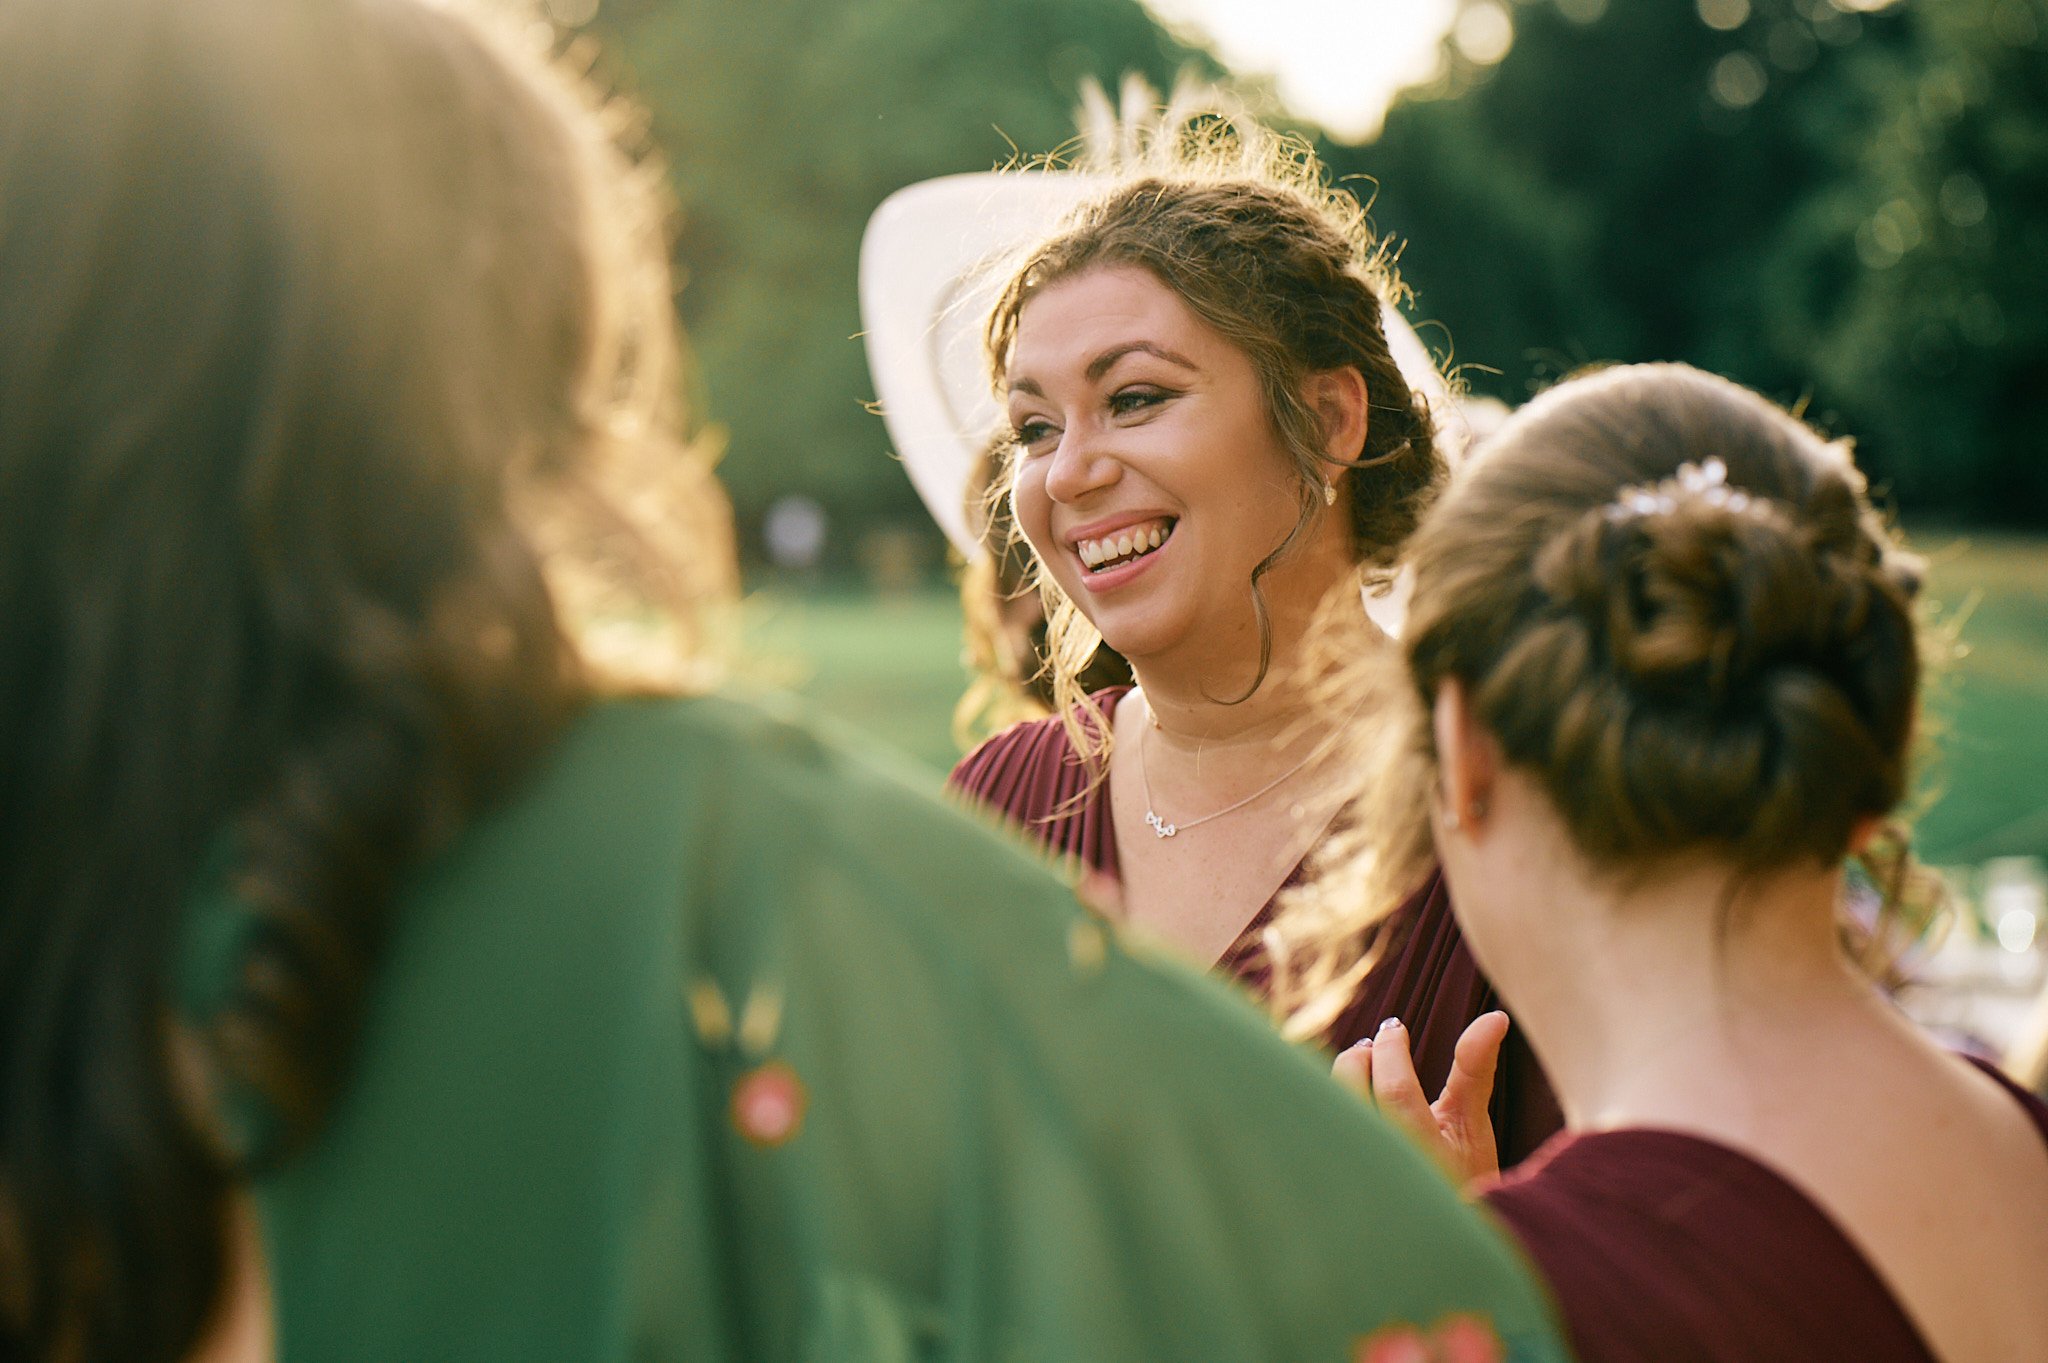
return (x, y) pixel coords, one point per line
(1199, 758)
(1662, 1001)
(1201, 703)
(1184, 720)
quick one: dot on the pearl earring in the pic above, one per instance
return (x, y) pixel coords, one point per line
(1329, 493)
(1453, 821)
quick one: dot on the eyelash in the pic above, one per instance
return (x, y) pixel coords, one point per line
(1137, 398)
(1124, 402)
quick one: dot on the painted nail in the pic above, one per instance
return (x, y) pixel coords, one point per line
(1390, 1025)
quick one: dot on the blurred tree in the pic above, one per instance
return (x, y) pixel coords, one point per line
(786, 123)
(1916, 283)
(1607, 190)
(1843, 202)
(1838, 201)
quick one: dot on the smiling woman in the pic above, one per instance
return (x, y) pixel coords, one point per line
(1213, 448)
(1133, 416)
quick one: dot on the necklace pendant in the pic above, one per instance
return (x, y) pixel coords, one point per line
(1160, 827)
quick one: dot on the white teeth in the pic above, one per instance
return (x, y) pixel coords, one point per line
(1095, 553)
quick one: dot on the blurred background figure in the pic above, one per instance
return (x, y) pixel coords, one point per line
(794, 533)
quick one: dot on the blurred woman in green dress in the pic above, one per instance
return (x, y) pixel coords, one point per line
(396, 961)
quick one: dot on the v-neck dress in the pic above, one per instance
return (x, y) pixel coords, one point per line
(1030, 776)
(1665, 1247)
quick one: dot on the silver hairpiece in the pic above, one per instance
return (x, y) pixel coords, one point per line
(1707, 481)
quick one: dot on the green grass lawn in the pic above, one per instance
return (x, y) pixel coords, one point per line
(1987, 772)
(891, 666)
(887, 665)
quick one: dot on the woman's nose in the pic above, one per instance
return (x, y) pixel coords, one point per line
(1082, 464)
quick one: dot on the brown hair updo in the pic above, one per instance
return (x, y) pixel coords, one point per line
(1241, 225)
(1673, 605)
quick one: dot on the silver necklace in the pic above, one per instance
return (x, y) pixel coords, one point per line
(1162, 829)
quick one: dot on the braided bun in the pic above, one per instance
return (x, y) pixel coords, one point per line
(1671, 603)
(1686, 653)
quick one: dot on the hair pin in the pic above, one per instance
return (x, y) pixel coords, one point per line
(1706, 481)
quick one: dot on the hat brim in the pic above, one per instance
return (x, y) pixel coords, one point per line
(925, 291)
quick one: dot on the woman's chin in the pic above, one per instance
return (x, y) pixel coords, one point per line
(1133, 640)
(1152, 636)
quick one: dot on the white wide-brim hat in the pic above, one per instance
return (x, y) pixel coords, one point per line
(926, 287)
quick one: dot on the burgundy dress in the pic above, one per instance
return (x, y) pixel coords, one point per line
(1662, 1247)
(1031, 776)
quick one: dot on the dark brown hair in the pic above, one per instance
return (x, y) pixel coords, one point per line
(334, 330)
(1241, 224)
(1673, 605)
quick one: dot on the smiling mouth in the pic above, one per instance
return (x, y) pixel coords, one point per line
(1128, 545)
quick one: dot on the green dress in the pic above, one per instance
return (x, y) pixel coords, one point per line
(720, 1042)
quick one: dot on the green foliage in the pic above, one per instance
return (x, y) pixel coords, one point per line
(1939, 340)
(787, 122)
(1845, 209)
(1848, 210)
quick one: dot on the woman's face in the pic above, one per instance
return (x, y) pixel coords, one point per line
(1149, 478)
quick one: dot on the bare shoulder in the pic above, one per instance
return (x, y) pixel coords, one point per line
(1939, 1175)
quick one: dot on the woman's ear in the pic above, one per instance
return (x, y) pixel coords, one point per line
(1468, 759)
(1338, 398)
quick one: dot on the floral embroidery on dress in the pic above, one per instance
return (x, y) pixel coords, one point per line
(1461, 1338)
(768, 1104)
(769, 1100)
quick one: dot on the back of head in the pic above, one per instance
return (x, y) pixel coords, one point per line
(1672, 603)
(331, 326)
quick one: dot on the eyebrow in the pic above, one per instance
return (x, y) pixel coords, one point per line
(1102, 363)
(1099, 366)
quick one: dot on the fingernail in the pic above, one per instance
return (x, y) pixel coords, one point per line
(1390, 1025)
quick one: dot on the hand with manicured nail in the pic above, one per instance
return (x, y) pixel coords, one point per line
(1455, 1129)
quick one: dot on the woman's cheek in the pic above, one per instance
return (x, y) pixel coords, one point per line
(1030, 509)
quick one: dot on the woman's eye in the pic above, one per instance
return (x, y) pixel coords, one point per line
(1029, 433)
(1131, 400)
